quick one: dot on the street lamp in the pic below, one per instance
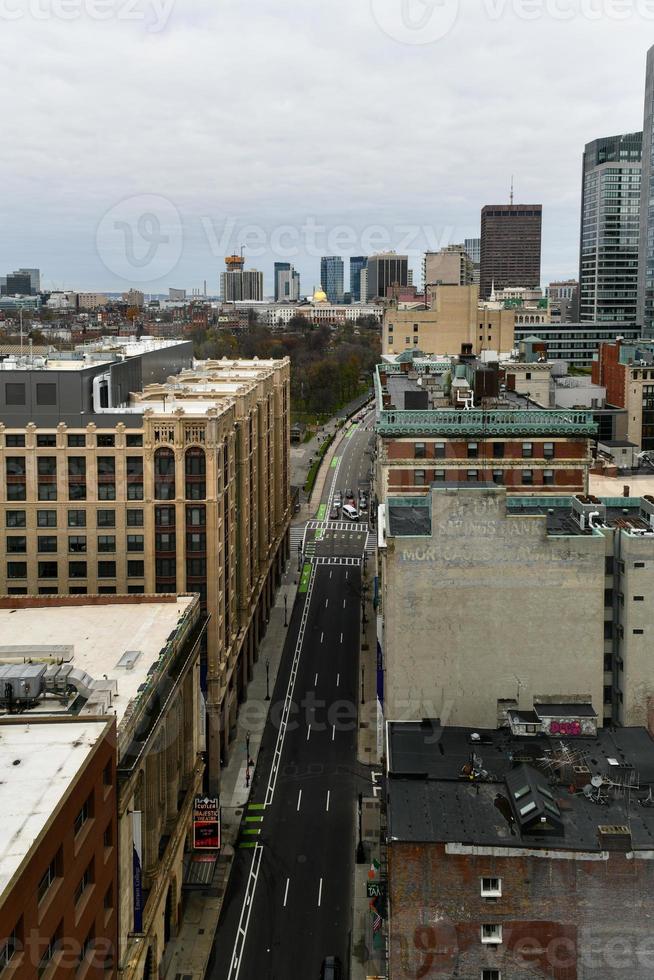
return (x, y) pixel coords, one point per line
(267, 679)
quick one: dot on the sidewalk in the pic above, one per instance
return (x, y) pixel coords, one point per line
(364, 962)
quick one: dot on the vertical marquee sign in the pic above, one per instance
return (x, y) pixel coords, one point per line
(206, 823)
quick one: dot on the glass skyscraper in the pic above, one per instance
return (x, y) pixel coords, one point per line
(357, 263)
(645, 309)
(331, 277)
(610, 217)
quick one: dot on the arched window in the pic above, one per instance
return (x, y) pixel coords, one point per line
(196, 474)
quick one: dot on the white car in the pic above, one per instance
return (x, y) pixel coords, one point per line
(350, 512)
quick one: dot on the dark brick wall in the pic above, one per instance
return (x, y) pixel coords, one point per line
(565, 919)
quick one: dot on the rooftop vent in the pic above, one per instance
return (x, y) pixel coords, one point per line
(129, 658)
(614, 837)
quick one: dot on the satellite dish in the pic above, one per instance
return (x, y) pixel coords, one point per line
(475, 737)
(597, 781)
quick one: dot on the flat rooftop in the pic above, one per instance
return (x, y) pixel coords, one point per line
(432, 798)
(93, 354)
(100, 635)
(39, 763)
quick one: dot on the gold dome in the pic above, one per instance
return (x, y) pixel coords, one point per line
(319, 296)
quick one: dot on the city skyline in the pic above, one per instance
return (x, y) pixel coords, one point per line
(64, 213)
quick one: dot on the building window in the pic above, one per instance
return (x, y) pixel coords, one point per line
(548, 450)
(195, 468)
(9, 946)
(491, 933)
(16, 545)
(49, 876)
(14, 394)
(15, 518)
(46, 543)
(135, 542)
(491, 887)
(196, 541)
(164, 541)
(77, 478)
(638, 632)
(498, 477)
(639, 564)
(16, 569)
(135, 569)
(48, 953)
(419, 478)
(491, 975)
(106, 440)
(133, 441)
(106, 518)
(84, 882)
(527, 450)
(106, 590)
(164, 474)
(472, 476)
(84, 814)
(106, 569)
(76, 440)
(639, 598)
(77, 544)
(134, 518)
(106, 478)
(196, 516)
(47, 440)
(46, 394)
(164, 516)
(14, 441)
(439, 450)
(16, 478)
(76, 569)
(76, 518)
(419, 450)
(134, 478)
(473, 450)
(439, 476)
(527, 477)
(48, 569)
(548, 478)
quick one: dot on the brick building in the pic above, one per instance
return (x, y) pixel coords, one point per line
(440, 421)
(627, 372)
(517, 856)
(510, 246)
(59, 868)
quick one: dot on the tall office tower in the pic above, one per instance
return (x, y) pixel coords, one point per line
(287, 284)
(645, 305)
(357, 263)
(510, 246)
(473, 248)
(610, 224)
(280, 267)
(452, 266)
(35, 279)
(363, 283)
(22, 282)
(237, 283)
(385, 270)
(332, 276)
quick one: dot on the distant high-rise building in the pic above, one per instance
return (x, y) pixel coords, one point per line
(563, 301)
(510, 246)
(287, 284)
(645, 305)
(176, 295)
(452, 266)
(237, 283)
(21, 282)
(363, 285)
(473, 248)
(384, 271)
(331, 277)
(610, 221)
(357, 263)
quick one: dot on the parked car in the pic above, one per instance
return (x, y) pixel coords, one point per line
(338, 499)
(335, 512)
(363, 501)
(349, 494)
(331, 969)
(350, 512)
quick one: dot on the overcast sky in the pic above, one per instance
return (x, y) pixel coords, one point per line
(143, 140)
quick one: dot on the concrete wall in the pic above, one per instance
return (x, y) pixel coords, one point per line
(495, 609)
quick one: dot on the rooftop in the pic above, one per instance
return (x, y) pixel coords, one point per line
(97, 635)
(39, 764)
(105, 351)
(454, 785)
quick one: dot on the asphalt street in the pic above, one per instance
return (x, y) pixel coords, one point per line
(289, 901)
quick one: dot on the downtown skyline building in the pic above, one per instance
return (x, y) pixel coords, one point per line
(357, 264)
(332, 271)
(645, 307)
(510, 246)
(384, 271)
(287, 283)
(609, 235)
(238, 283)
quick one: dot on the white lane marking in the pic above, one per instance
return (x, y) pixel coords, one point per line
(320, 893)
(338, 679)
(326, 603)
(283, 724)
(343, 603)
(333, 732)
(315, 681)
(246, 911)
(322, 637)
(330, 574)
(341, 637)
(286, 892)
(328, 792)
(308, 732)
(299, 800)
